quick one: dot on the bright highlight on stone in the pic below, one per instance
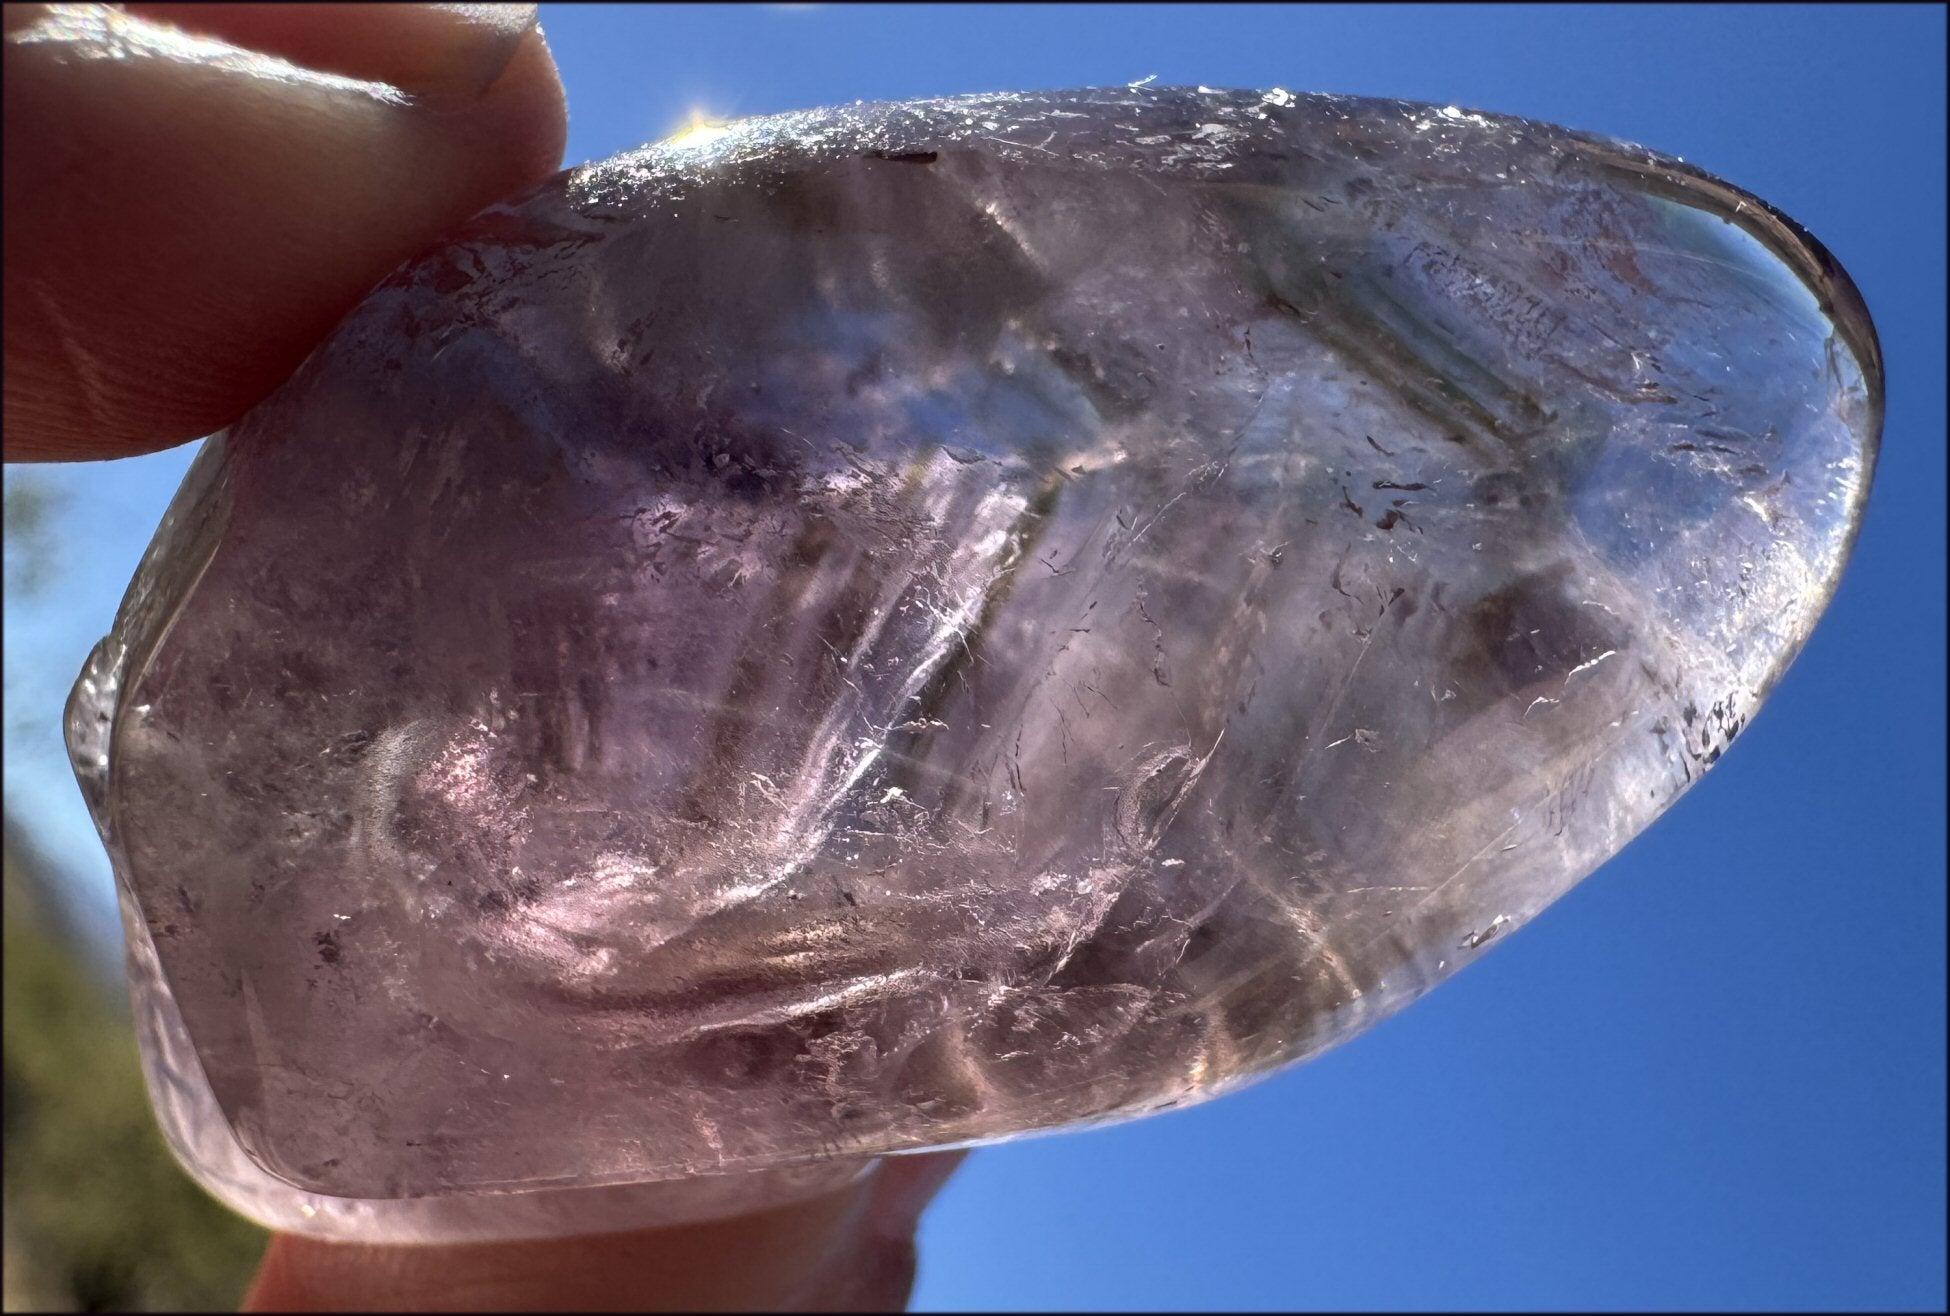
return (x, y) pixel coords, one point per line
(910, 624)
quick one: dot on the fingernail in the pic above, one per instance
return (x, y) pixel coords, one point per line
(485, 38)
(432, 52)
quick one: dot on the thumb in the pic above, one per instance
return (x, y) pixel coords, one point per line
(851, 1250)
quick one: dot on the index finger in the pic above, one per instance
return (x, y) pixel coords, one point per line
(190, 208)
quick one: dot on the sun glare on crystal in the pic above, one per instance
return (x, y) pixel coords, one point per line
(701, 131)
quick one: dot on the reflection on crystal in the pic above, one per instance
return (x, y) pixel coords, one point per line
(911, 624)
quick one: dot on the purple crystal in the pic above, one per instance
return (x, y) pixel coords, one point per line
(911, 624)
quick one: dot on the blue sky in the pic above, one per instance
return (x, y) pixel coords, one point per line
(1713, 1075)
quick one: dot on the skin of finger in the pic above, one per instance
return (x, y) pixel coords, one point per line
(850, 1250)
(185, 218)
(428, 49)
(818, 1255)
(878, 1272)
(905, 1187)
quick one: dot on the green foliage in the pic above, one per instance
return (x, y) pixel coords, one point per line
(99, 1217)
(30, 505)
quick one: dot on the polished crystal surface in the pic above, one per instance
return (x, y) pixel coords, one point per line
(906, 625)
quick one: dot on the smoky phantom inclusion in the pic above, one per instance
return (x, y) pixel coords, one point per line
(910, 624)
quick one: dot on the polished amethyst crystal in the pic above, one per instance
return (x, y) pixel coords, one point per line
(904, 625)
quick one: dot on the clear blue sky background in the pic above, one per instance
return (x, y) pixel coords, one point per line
(1713, 1075)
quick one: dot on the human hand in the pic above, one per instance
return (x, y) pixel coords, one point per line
(848, 1251)
(189, 209)
(194, 196)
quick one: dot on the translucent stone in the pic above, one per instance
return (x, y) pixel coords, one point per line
(906, 625)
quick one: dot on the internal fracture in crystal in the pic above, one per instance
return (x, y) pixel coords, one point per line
(910, 624)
